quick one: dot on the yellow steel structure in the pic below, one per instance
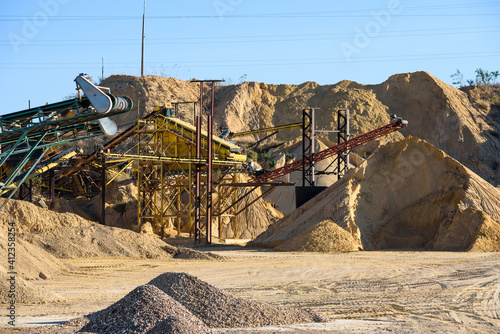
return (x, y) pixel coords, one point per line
(166, 167)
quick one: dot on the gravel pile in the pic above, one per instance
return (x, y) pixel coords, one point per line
(191, 254)
(219, 309)
(146, 309)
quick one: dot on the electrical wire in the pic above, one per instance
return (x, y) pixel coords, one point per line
(291, 62)
(346, 13)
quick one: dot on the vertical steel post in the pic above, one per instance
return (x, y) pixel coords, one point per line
(236, 180)
(313, 125)
(103, 191)
(342, 158)
(347, 136)
(139, 197)
(52, 181)
(143, 37)
(210, 167)
(197, 199)
(304, 137)
(219, 204)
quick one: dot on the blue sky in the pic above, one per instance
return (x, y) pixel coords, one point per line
(45, 44)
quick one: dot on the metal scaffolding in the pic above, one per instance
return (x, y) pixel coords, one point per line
(168, 165)
(340, 161)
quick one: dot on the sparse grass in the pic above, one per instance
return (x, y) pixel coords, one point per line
(484, 105)
(485, 98)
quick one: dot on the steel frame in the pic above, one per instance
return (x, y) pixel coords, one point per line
(341, 160)
(27, 132)
(168, 165)
(396, 124)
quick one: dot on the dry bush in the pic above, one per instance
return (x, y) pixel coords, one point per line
(482, 104)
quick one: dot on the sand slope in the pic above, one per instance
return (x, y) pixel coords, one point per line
(66, 235)
(408, 195)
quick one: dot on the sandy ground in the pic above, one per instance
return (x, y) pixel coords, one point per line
(375, 292)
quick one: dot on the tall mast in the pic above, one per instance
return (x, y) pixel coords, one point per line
(143, 37)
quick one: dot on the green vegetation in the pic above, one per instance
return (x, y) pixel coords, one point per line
(252, 155)
(483, 78)
(269, 158)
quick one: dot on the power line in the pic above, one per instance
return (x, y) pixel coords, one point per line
(293, 61)
(254, 16)
(256, 39)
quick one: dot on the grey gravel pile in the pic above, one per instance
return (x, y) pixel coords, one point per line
(191, 254)
(187, 253)
(146, 309)
(218, 309)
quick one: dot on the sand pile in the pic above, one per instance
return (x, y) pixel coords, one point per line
(408, 195)
(150, 92)
(443, 116)
(325, 236)
(436, 111)
(221, 310)
(25, 291)
(31, 263)
(253, 105)
(146, 309)
(67, 235)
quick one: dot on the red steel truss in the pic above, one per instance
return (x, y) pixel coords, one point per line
(397, 124)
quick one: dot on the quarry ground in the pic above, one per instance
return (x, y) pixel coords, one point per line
(360, 292)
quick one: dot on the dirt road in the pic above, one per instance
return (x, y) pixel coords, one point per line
(376, 292)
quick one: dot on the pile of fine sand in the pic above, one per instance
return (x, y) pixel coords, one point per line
(67, 235)
(408, 195)
(31, 264)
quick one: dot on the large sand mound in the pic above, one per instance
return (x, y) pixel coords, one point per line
(408, 195)
(31, 263)
(66, 235)
(150, 92)
(436, 111)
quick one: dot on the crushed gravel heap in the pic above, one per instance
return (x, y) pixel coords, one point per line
(184, 253)
(146, 309)
(219, 309)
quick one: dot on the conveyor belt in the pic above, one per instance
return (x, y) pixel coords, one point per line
(396, 125)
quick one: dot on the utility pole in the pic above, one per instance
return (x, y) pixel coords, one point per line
(102, 73)
(143, 37)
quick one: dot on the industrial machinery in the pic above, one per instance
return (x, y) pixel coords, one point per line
(225, 133)
(185, 175)
(232, 135)
(397, 123)
(27, 135)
